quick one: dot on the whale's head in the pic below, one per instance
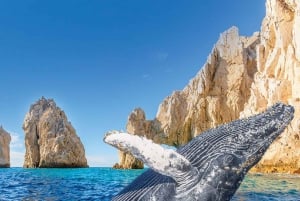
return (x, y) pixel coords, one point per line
(256, 135)
(225, 154)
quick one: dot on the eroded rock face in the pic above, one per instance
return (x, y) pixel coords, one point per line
(216, 94)
(4, 148)
(278, 79)
(136, 125)
(208, 98)
(242, 76)
(51, 140)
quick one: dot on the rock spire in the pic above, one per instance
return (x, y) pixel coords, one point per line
(50, 139)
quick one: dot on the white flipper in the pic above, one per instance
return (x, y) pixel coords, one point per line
(164, 161)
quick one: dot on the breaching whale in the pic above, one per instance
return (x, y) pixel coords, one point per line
(210, 167)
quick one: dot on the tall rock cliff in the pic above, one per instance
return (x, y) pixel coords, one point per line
(242, 76)
(217, 93)
(278, 79)
(51, 140)
(4, 148)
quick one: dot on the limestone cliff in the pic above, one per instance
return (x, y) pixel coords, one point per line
(278, 79)
(217, 93)
(137, 125)
(4, 148)
(51, 140)
(242, 76)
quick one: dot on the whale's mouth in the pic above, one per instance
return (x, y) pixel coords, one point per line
(287, 117)
(256, 152)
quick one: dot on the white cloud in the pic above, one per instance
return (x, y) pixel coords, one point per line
(16, 158)
(100, 161)
(162, 56)
(168, 70)
(16, 142)
(17, 150)
(146, 76)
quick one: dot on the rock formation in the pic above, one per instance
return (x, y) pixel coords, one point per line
(278, 79)
(137, 125)
(50, 139)
(217, 93)
(242, 76)
(4, 148)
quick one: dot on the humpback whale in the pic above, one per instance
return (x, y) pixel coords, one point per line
(210, 167)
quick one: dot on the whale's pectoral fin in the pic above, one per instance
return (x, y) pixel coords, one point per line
(162, 160)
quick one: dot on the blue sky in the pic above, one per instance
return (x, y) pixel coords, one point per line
(100, 59)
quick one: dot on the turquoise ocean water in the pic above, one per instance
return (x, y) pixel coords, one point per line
(103, 183)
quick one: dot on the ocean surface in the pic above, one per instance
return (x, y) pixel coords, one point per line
(102, 183)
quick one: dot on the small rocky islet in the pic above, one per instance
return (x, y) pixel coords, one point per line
(50, 139)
